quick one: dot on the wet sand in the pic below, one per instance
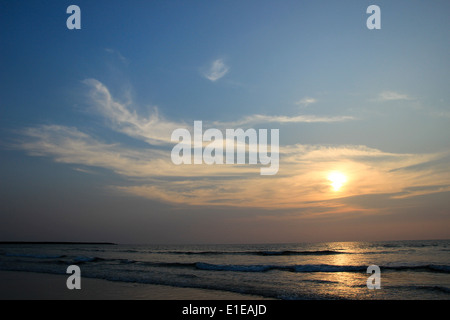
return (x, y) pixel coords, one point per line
(42, 286)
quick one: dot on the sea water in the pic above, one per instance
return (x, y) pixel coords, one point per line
(330, 270)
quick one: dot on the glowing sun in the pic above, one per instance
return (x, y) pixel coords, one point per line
(337, 180)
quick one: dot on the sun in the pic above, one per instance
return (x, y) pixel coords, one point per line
(337, 179)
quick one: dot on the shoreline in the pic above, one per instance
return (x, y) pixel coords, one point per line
(24, 285)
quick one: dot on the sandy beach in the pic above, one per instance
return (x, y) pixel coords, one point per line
(42, 286)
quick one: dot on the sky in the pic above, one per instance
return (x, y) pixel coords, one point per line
(87, 116)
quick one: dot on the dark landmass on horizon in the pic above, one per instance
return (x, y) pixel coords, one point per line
(55, 242)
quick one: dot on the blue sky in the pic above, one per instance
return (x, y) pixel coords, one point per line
(86, 117)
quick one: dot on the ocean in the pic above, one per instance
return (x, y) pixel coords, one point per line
(409, 270)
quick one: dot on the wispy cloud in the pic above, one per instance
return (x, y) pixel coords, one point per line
(260, 119)
(392, 96)
(217, 70)
(301, 181)
(117, 54)
(69, 145)
(152, 128)
(155, 129)
(306, 101)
